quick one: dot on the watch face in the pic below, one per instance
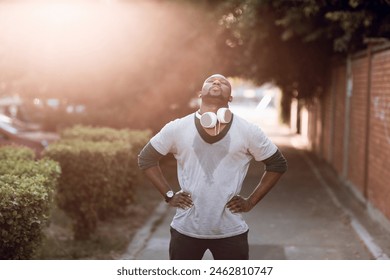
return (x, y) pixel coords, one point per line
(170, 194)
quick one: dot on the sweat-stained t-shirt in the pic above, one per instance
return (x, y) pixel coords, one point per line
(211, 173)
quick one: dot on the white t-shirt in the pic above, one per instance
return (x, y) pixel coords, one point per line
(211, 173)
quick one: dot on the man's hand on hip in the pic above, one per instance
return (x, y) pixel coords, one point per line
(239, 204)
(181, 200)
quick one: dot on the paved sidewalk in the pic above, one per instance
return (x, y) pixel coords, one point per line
(306, 216)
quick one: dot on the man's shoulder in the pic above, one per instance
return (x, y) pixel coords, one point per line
(246, 127)
(182, 120)
(189, 117)
(243, 123)
(179, 122)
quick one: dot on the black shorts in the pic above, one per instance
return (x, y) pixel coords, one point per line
(183, 247)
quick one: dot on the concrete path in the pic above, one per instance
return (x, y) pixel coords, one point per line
(306, 216)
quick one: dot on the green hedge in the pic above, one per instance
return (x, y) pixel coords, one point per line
(14, 152)
(137, 138)
(26, 191)
(95, 134)
(30, 168)
(98, 173)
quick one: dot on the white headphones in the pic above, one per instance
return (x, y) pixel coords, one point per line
(210, 119)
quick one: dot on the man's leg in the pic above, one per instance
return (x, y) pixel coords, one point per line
(230, 248)
(184, 247)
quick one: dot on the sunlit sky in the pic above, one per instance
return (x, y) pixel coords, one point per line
(58, 42)
(91, 49)
(64, 32)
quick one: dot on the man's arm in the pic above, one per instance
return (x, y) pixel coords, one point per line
(276, 165)
(148, 161)
(155, 175)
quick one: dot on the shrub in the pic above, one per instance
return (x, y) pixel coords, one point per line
(26, 189)
(29, 168)
(95, 180)
(14, 152)
(95, 134)
(137, 138)
(99, 169)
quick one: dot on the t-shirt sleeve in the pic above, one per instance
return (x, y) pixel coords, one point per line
(163, 141)
(260, 146)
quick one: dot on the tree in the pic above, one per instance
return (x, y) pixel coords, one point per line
(291, 42)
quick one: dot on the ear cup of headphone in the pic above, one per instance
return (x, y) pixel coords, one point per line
(224, 115)
(208, 120)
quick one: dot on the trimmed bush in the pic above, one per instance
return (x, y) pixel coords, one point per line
(29, 168)
(95, 180)
(137, 138)
(99, 168)
(14, 152)
(26, 191)
(95, 134)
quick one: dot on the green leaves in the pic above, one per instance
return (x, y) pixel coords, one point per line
(14, 152)
(26, 190)
(291, 42)
(98, 173)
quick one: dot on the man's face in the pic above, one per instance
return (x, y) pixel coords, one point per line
(217, 87)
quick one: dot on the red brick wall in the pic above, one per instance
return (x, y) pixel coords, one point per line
(327, 134)
(357, 119)
(379, 146)
(327, 126)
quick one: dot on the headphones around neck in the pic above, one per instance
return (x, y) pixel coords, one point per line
(210, 119)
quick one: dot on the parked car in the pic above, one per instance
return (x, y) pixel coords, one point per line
(14, 131)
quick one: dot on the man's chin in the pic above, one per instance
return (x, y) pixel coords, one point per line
(214, 98)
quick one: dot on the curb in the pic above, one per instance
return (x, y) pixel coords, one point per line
(143, 234)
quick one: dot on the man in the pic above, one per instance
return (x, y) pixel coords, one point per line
(213, 149)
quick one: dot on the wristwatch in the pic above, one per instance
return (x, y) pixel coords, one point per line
(168, 195)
